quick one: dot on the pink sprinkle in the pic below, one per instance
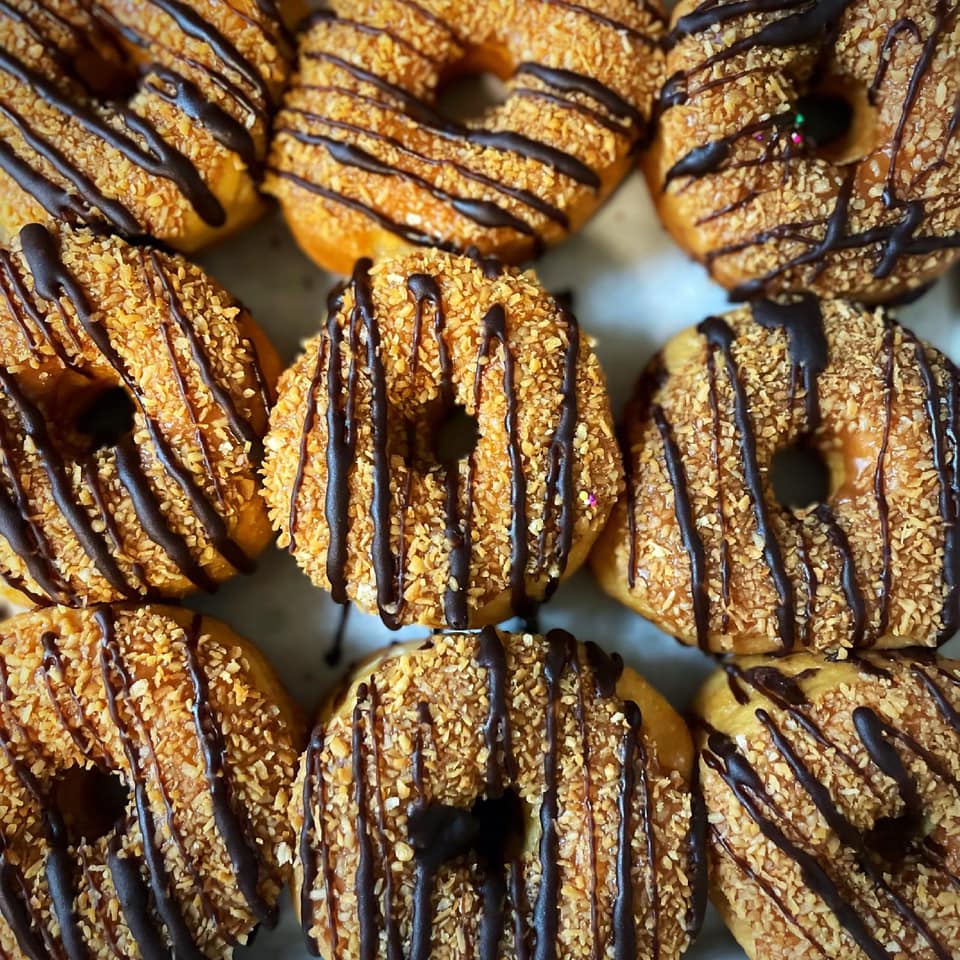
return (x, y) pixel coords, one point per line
(591, 500)
(796, 138)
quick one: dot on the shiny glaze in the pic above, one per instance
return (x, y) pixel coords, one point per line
(52, 280)
(490, 835)
(876, 851)
(72, 195)
(360, 331)
(901, 233)
(868, 604)
(142, 884)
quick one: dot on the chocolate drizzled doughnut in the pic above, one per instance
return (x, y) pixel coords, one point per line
(358, 481)
(186, 718)
(132, 406)
(364, 163)
(700, 543)
(812, 146)
(498, 795)
(146, 118)
(831, 792)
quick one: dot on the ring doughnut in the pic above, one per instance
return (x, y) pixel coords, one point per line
(357, 479)
(700, 543)
(364, 164)
(144, 119)
(133, 398)
(811, 147)
(185, 718)
(529, 788)
(831, 796)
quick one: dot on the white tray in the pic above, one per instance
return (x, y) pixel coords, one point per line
(633, 289)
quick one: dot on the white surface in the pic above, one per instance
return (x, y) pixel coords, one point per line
(633, 289)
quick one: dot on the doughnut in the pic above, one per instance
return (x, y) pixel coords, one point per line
(356, 476)
(146, 758)
(143, 119)
(365, 164)
(700, 543)
(811, 146)
(831, 794)
(494, 795)
(133, 401)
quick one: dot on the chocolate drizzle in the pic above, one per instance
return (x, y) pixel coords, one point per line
(720, 336)
(867, 601)
(240, 848)
(487, 837)
(313, 828)
(53, 280)
(425, 290)
(592, 101)
(802, 321)
(365, 372)
(143, 885)
(73, 196)
(624, 908)
(902, 217)
(946, 463)
(692, 541)
(891, 841)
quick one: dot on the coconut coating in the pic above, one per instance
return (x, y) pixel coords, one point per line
(702, 546)
(147, 118)
(363, 163)
(491, 786)
(134, 399)
(758, 174)
(356, 478)
(191, 720)
(831, 795)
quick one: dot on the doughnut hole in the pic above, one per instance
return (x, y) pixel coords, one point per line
(892, 838)
(799, 475)
(837, 121)
(475, 85)
(104, 75)
(107, 419)
(455, 435)
(91, 801)
(505, 826)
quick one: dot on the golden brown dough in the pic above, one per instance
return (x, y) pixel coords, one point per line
(700, 543)
(357, 477)
(831, 795)
(812, 146)
(364, 165)
(483, 790)
(133, 399)
(144, 118)
(175, 726)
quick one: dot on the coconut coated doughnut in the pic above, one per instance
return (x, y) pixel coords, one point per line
(831, 795)
(363, 163)
(357, 479)
(494, 795)
(700, 543)
(812, 146)
(147, 118)
(133, 399)
(189, 719)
